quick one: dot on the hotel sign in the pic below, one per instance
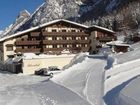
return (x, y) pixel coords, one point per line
(33, 65)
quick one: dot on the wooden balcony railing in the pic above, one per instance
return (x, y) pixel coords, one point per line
(106, 39)
(35, 33)
(26, 42)
(85, 49)
(64, 33)
(34, 50)
(53, 49)
(65, 41)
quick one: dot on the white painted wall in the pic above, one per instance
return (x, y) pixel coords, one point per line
(30, 65)
(11, 41)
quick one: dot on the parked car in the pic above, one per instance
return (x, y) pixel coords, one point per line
(44, 72)
(53, 68)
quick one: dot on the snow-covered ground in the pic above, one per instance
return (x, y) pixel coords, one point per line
(35, 90)
(87, 80)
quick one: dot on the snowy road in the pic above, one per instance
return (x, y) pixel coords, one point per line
(32, 90)
(85, 78)
(95, 83)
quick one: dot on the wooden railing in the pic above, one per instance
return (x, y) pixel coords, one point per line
(26, 42)
(34, 50)
(64, 33)
(65, 41)
(106, 39)
(70, 48)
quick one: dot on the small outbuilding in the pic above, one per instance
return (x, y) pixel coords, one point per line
(118, 46)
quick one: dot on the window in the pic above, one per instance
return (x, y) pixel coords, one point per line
(9, 47)
(65, 46)
(49, 38)
(64, 38)
(86, 45)
(78, 45)
(63, 30)
(59, 38)
(10, 56)
(69, 46)
(54, 38)
(49, 46)
(83, 45)
(53, 30)
(59, 46)
(73, 38)
(69, 38)
(78, 38)
(81, 30)
(83, 38)
(73, 30)
(54, 46)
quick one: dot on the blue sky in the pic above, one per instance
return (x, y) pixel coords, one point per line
(9, 10)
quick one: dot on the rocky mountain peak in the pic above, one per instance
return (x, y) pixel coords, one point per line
(106, 13)
(20, 20)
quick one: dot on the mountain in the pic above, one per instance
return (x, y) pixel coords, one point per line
(1, 31)
(20, 20)
(118, 15)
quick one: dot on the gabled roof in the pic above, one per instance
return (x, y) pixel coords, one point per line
(52, 22)
(102, 28)
(117, 43)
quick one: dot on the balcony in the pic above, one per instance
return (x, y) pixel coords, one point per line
(106, 39)
(85, 49)
(53, 49)
(64, 33)
(35, 33)
(27, 50)
(65, 42)
(71, 49)
(26, 42)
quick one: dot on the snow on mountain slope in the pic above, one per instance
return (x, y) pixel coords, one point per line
(76, 10)
(52, 10)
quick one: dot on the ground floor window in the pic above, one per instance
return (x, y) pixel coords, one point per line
(9, 47)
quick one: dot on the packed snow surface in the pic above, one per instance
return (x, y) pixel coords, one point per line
(35, 90)
(85, 78)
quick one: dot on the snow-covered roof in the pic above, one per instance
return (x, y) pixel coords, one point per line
(45, 56)
(117, 43)
(102, 28)
(49, 23)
